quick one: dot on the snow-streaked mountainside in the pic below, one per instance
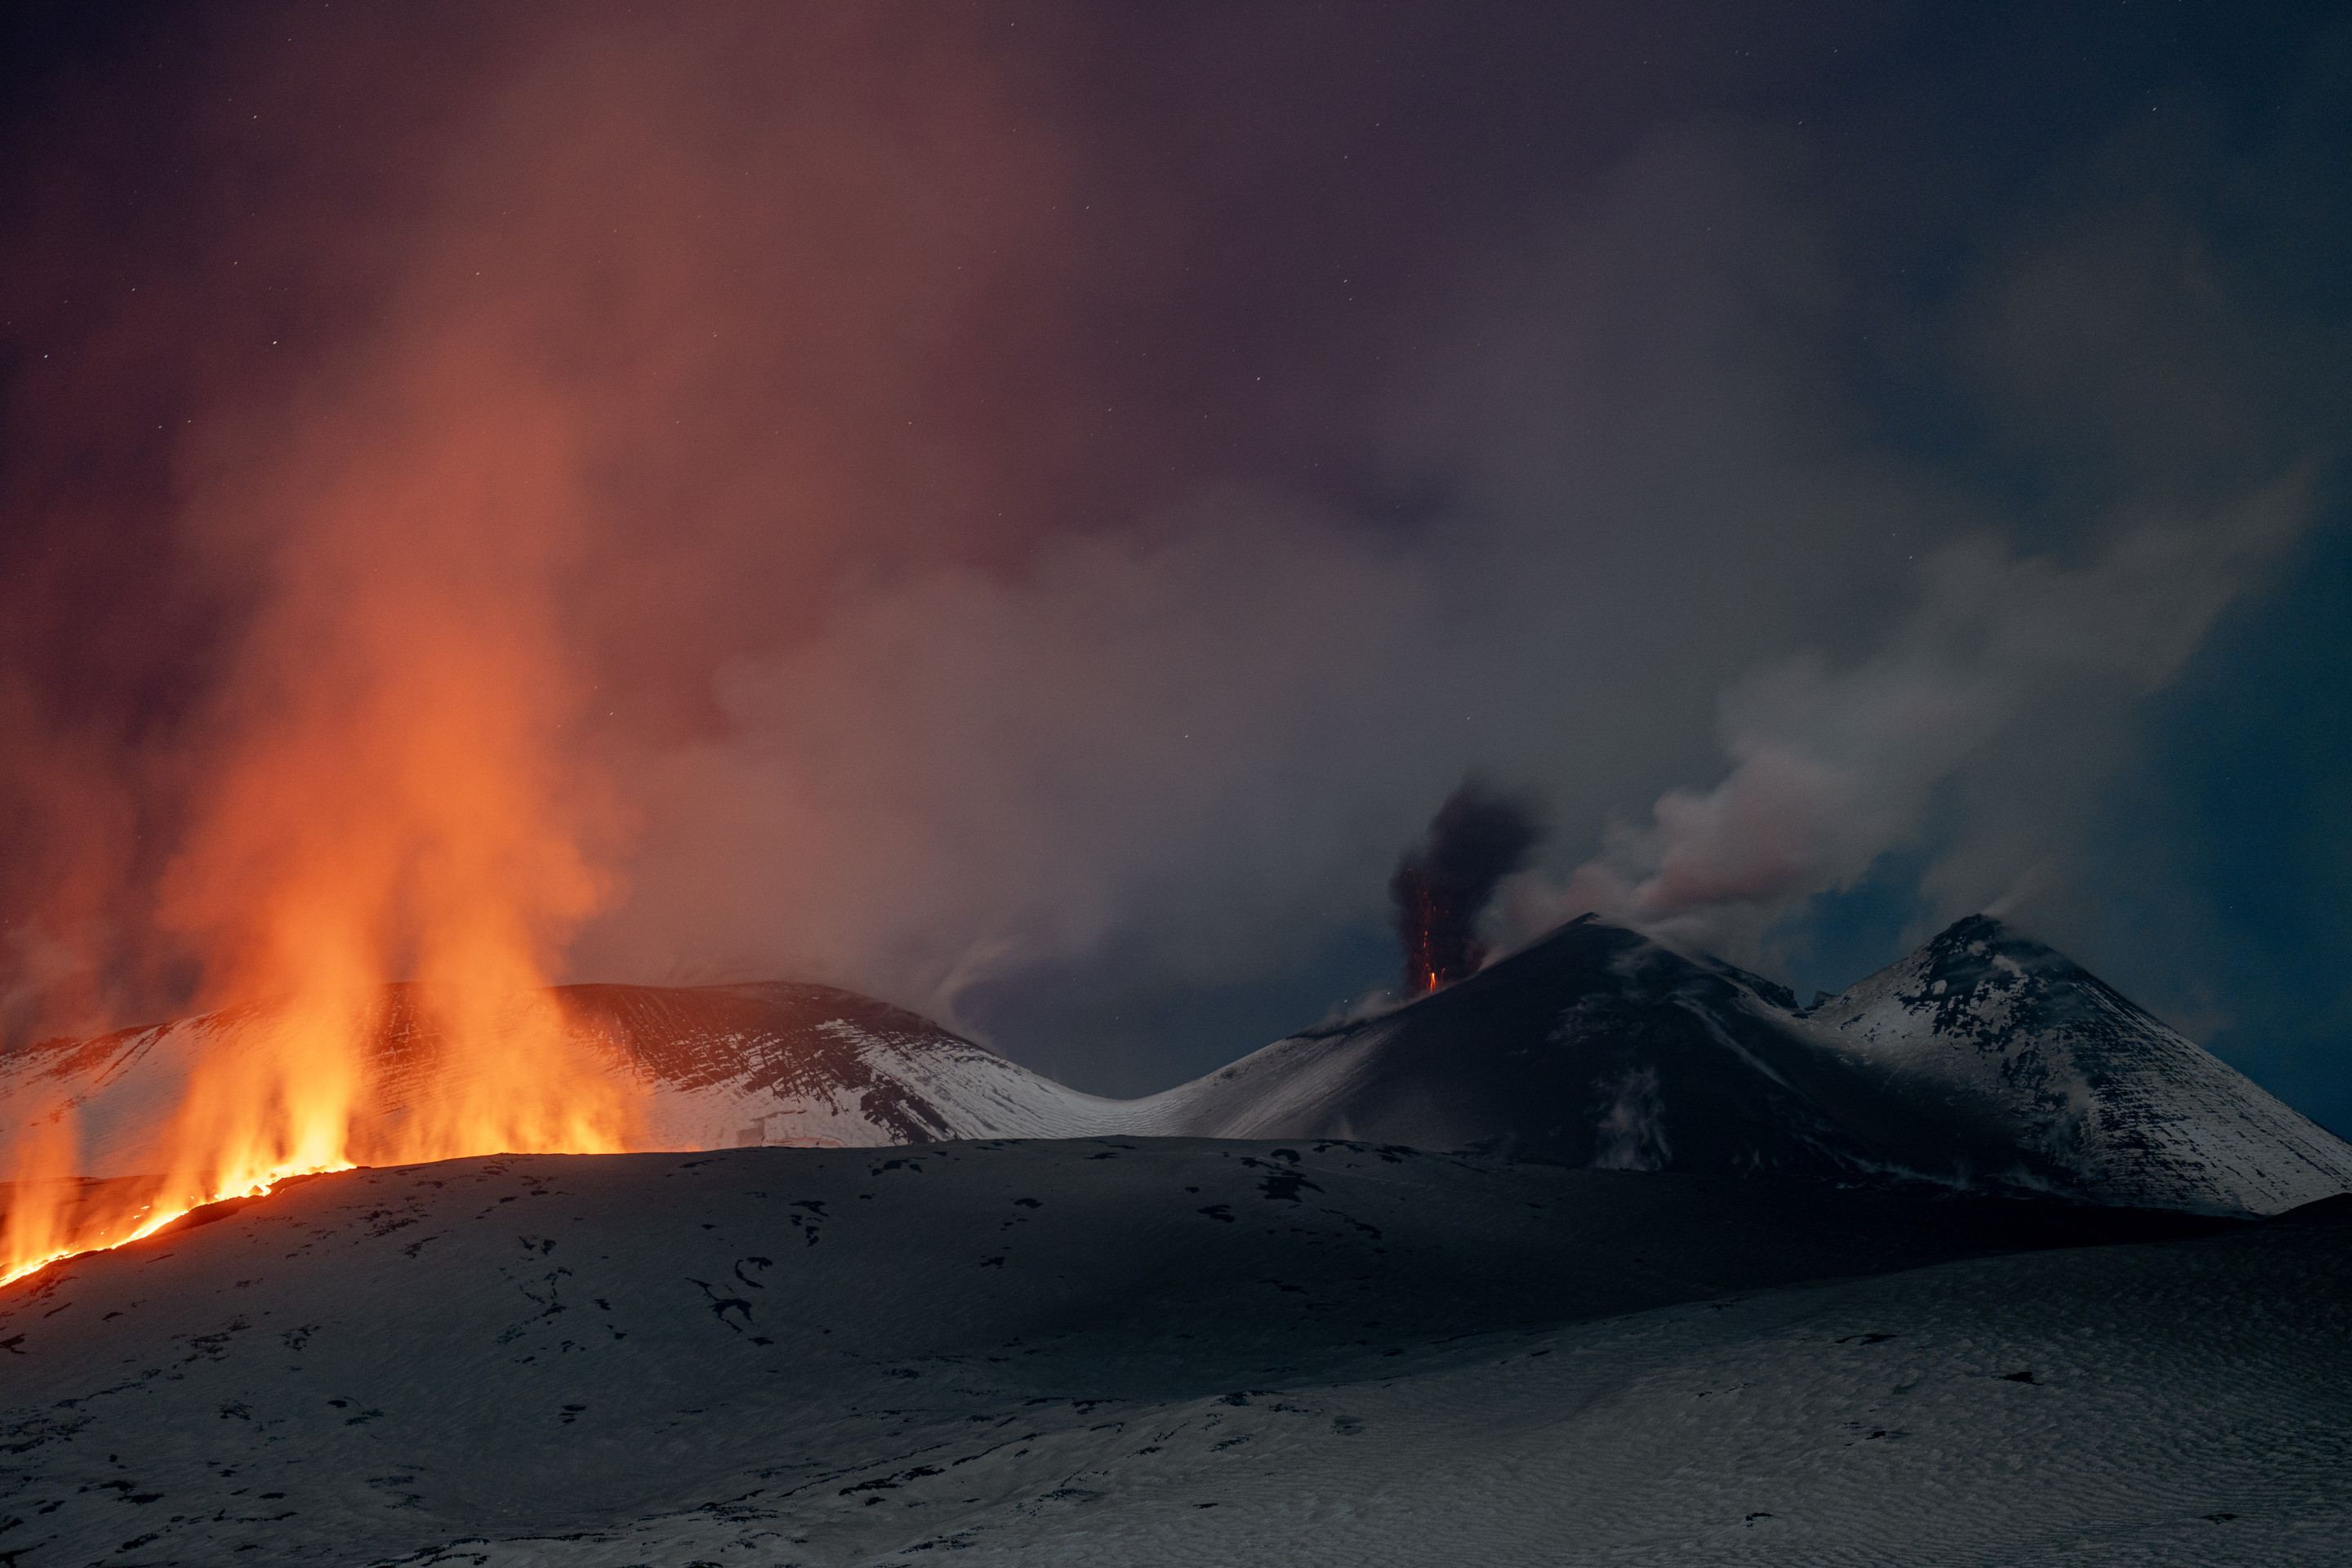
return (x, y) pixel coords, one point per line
(1157, 1352)
(2014, 1033)
(1984, 1059)
(719, 1067)
(738, 1066)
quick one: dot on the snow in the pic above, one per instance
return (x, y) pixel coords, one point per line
(1799, 1313)
(1153, 1351)
(118, 1089)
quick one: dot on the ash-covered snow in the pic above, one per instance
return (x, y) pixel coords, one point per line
(1142, 1350)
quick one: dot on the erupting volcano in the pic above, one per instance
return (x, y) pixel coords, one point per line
(1442, 887)
(699, 707)
(381, 800)
(263, 1094)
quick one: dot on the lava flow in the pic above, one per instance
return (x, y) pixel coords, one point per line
(268, 1096)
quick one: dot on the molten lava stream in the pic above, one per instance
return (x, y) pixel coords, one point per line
(48, 1221)
(267, 1100)
(53, 1212)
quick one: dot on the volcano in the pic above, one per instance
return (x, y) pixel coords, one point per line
(1989, 1028)
(1853, 1298)
(1984, 1061)
(1594, 1046)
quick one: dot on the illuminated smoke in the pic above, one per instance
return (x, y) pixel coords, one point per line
(381, 799)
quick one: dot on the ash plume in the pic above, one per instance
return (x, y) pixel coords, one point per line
(1443, 886)
(761, 407)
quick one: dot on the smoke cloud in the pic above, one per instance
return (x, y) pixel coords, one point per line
(1020, 511)
(2006, 666)
(1441, 888)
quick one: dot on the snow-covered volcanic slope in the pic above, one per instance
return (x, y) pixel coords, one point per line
(736, 1066)
(2010, 1031)
(1983, 1057)
(719, 1065)
(1157, 1352)
(1594, 1046)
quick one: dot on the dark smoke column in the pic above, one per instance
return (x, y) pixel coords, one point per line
(1477, 839)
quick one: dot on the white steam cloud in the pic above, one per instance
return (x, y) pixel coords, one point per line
(2006, 665)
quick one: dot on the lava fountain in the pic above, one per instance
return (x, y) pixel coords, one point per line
(384, 799)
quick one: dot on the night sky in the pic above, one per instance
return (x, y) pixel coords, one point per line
(1027, 509)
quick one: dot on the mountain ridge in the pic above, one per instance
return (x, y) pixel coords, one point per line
(1982, 1059)
(2005, 1026)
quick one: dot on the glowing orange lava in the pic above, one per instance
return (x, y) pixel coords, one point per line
(386, 801)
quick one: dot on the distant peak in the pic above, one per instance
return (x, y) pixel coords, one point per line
(1977, 928)
(1975, 942)
(1587, 933)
